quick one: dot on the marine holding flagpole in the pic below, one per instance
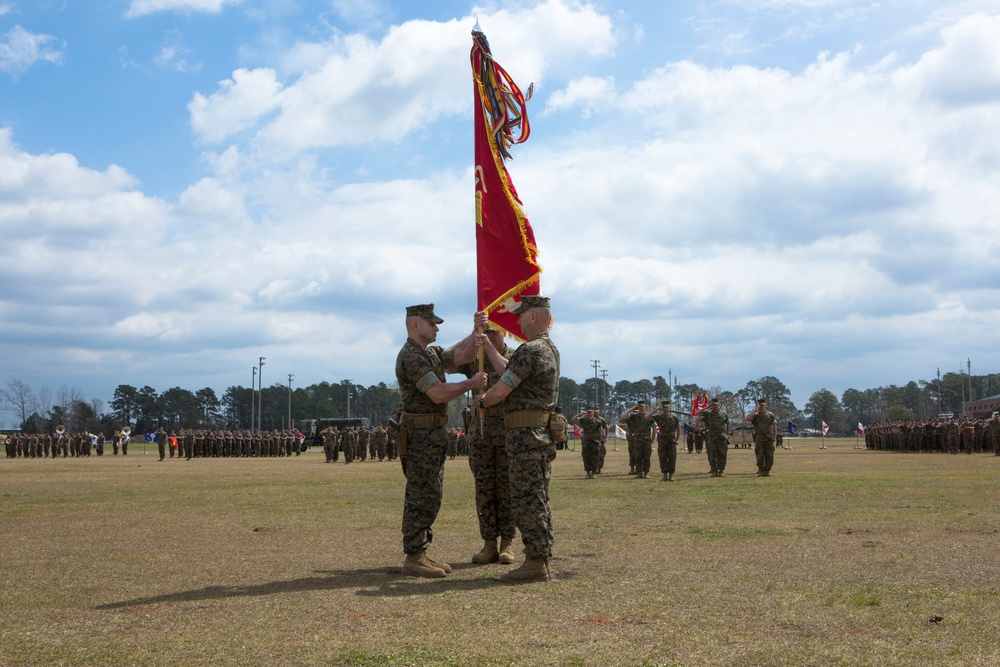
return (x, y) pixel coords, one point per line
(422, 440)
(508, 291)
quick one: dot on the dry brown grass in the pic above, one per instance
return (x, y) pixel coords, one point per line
(840, 558)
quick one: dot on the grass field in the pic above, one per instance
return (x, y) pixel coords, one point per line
(840, 558)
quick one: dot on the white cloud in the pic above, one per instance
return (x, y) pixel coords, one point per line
(368, 91)
(174, 57)
(966, 69)
(20, 49)
(728, 222)
(589, 93)
(139, 8)
(238, 105)
(361, 12)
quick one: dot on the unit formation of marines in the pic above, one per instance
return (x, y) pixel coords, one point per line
(936, 435)
(710, 430)
(62, 444)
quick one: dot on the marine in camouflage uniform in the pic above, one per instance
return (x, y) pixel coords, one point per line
(716, 423)
(640, 439)
(363, 439)
(329, 436)
(666, 439)
(488, 458)
(765, 430)
(604, 440)
(161, 442)
(379, 440)
(391, 451)
(699, 439)
(591, 427)
(529, 388)
(420, 373)
(350, 442)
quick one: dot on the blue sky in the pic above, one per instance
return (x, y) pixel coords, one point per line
(798, 188)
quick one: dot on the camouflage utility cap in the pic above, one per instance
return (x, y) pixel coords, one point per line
(425, 311)
(529, 302)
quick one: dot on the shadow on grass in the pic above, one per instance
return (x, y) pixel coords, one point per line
(375, 582)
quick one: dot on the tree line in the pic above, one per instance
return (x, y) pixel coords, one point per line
(278, 406)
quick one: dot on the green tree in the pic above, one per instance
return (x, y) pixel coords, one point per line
(125, 404)
(147, 404)
(178, 409)
(208, 405)
(235, 406)
(662, 389)
(644, 390)
(899, 413)
(823, 406)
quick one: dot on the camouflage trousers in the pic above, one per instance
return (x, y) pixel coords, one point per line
(490, 469)
(591, 451)
(604, 452)
(666, 451)
(530, 454)
(718, 449)
(423, 467)
(643, 453)
(764, 449)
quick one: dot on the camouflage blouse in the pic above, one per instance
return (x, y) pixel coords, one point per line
(715, 422)
(533, 375)
(668, 426)
(417, 370)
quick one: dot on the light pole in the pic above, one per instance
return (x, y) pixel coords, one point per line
(260, 382)
(253, 393)
(604, 376)
(596, 363)
(290, 378)
(348, 399)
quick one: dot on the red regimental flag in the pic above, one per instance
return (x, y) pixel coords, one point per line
(506, 253)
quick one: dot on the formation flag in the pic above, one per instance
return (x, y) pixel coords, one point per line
(792, 428)
(699, 403)
(506, 253)
(861, 429)
(826, 428)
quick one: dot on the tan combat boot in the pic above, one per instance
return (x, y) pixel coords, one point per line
(488, 554)
(532, 569)
(666, 477)
(670, 476)
(437, 564)
(506, 553)
(418, 565)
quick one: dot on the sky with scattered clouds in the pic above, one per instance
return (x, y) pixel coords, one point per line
(723, 190)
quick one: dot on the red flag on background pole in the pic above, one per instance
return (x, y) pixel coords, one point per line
(506, 253)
